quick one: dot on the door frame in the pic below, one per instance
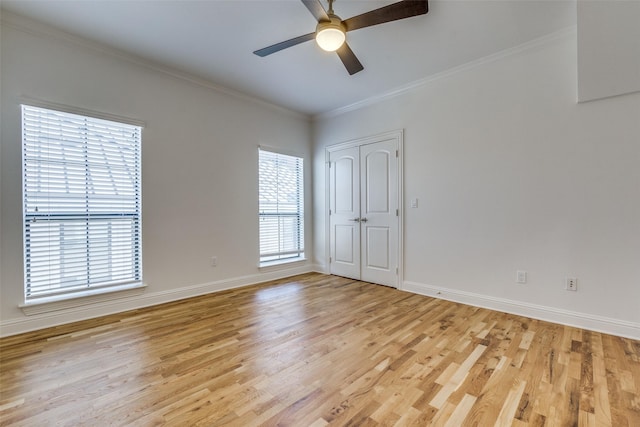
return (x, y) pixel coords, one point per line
(398, 135)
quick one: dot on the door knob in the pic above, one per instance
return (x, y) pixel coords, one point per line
(364, 219)
(355, 219)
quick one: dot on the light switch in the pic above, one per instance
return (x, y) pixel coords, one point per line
(414, 202)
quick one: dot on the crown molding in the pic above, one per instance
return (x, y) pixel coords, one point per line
(40, 29)
(418, 84)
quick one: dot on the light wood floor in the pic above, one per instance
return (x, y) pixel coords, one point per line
(316, 350)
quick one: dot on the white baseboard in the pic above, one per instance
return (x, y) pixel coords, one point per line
(320, 268)
(112, 306)
(564, 317)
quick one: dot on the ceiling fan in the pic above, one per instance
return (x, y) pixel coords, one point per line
(331, 31)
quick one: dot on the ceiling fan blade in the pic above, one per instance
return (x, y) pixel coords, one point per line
(349, 59)
(285, 44)
(316, 9)
(392, 12)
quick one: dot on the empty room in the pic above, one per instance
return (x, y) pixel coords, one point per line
(320, 213)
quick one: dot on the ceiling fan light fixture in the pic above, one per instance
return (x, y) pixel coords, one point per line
(331, 31)
(330, 35)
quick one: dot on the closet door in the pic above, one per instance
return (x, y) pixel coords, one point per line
(363, 212)
(344, 212)
(379, 212)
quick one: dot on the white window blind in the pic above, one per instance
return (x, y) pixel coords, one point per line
(281, 206)
(81, 204)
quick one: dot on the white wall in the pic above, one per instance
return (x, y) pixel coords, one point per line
(608, 48)
(512, 174)
(199, 168)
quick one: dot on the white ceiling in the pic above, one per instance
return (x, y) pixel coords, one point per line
(214, 40)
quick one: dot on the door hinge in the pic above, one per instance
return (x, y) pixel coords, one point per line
(396, 270)
(329, 165)
(397, 154)
(397, 212)
(329, 212)
(330, 260)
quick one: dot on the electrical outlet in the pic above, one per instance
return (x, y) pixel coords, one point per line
(571, 284)
(214, 261)
(521, 276)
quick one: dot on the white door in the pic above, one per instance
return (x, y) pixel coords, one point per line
(379, 213)
(344, 212)
(363, 212)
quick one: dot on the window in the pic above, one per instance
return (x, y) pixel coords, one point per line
(81, 204)
(281, 207)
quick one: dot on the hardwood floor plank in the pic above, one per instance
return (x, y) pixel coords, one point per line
(508, 411)
(461, 411)
(317, 350)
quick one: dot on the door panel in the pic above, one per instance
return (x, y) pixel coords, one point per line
(377, 251)
(345, 243)
(377, 182)
(379, 202)
(344, 171)
(344, 205)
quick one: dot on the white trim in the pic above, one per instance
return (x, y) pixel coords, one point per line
(524, 47)
(400, 260)
(576, 319)
(39, 29)
(327, 208)
(77, 299)
(39, 103)
(284, 151)
(280, 264)
(394, 134)
(320, 268)
(104, 308)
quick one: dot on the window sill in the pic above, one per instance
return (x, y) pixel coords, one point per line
(47, 305)
(273, 265)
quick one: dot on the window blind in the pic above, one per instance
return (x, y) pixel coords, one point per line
(81, 203)
(281, 206)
